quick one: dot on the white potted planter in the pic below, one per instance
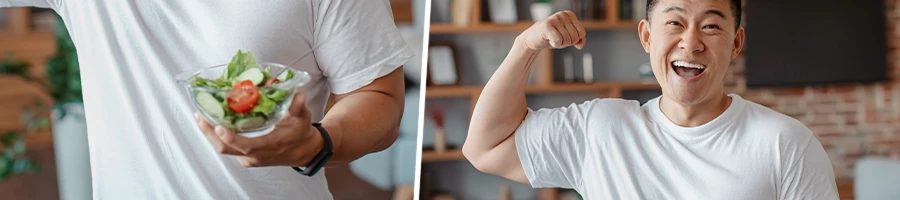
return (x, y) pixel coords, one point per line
(541, 9)
(70, 145)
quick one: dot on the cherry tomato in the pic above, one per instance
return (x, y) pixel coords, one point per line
(243, 97)
(271, 82)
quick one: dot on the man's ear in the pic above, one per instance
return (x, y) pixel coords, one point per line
(644, 34)
(738, 42)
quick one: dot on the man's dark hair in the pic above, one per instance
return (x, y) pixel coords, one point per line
(735, 9)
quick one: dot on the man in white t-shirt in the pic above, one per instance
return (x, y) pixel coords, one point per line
(144, 139)
(693, 142)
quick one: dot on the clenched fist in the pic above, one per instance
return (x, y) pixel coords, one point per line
(557, 31)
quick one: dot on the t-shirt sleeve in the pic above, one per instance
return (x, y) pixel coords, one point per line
(806, 169)
(33, 3)
(360, 43)
(551, 145)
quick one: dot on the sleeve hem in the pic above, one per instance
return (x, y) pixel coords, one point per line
(366, 76)
(522, 149)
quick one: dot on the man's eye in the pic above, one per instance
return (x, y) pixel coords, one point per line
(712, 26)
(673, 23)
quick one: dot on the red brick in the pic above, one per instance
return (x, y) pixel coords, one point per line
(841, 88)
(789, 92)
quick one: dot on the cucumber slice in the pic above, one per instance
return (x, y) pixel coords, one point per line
(284, 76)
(209, 104)
(249, 123)
(253, 74)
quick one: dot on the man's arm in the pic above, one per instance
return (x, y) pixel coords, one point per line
(490, 145)
(362, 121)
(366, 120)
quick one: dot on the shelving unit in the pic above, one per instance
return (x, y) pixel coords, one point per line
(543, 81)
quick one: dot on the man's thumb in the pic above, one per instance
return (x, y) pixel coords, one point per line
(298, 106)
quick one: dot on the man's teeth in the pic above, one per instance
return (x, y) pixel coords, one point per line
(688, 65)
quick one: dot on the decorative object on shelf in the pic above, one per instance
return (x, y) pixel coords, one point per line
(440, 11)
(440, 136)
(541, 9)
(461, 12)
(587, 63)
(568, 67)
(442, 68)
(503, 11)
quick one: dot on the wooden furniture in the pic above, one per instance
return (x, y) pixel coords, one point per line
(403, 11)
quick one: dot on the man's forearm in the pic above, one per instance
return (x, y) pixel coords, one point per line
(365, 121)
(501, 106)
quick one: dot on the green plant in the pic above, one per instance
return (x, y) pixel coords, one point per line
(12, 159)
(63, 71)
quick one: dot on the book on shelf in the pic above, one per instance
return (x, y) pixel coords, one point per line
(625, 9)
(590, 10)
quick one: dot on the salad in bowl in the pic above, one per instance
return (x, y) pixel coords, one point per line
(244, 95)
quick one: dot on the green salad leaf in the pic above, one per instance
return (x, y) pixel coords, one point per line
(240, 62)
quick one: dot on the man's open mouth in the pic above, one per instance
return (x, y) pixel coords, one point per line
(686, 69)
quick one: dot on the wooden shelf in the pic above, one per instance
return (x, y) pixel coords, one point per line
(449, 155)
(520, 26)
(465, 91)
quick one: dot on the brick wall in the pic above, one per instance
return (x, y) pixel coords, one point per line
(851, 120)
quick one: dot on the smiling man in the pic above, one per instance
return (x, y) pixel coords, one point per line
(693, 142)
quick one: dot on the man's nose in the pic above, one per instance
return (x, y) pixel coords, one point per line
(690, 41)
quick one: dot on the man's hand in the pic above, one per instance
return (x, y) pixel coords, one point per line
(557, 31)
(293, 142)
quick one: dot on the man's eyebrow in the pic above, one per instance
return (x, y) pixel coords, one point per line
(674, 8)
(715, 12)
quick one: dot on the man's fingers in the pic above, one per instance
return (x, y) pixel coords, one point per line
(552, 35)
(559, 23)
(298, 106)
(210, 135)
(248, 161)
(576, 29)
(244, 145)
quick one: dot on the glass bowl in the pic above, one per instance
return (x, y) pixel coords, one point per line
(235, 121)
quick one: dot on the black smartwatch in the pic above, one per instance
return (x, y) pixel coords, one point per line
(324, 155)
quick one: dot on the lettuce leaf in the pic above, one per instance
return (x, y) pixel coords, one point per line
(239, 62)
(264, 106)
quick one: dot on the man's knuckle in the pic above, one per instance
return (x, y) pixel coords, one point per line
(221, 149)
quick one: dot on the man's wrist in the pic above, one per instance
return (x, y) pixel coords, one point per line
(323, 150)
(317, 144)
(523, 47)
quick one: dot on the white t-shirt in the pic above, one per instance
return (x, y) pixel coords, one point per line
(618, 149)
(144, 142)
